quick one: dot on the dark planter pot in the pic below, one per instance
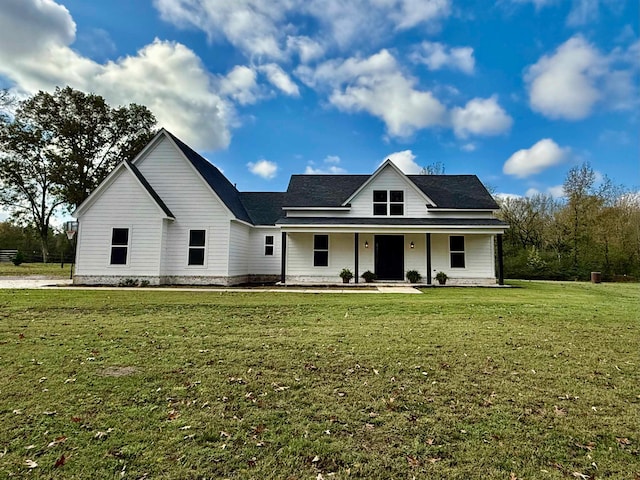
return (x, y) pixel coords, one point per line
(345, 280)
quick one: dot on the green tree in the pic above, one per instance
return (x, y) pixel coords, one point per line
(582, 202)
(86, 137)
(59, 146)
(26, 185)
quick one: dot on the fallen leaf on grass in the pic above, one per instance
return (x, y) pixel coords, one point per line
(588, 447)
(60, 462)
(513, 476)
(49, 413)
(580, 475)
(57, 441)
(561, 412)
(173, 414)
(413, 461)
(623, 441)
(433, 459)
(100, 435)
(30, 463)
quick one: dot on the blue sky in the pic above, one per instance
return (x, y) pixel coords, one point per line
(515, 91)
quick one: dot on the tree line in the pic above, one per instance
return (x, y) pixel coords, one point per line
(55, 148)
(596, 227)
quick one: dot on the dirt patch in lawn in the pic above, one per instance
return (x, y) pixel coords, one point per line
(117, 371)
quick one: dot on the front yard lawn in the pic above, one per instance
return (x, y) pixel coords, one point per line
(536, 382)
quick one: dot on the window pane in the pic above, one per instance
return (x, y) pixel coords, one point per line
(268, 250)
(268, 240)
(379, 195)
(379, 208)
(320, 259)
(396, 209)
(321, 242)
(196, 256)
(120, 236)
(397, 196)
(118, 255)
(457, 260)
(196, 238)
(456, 243)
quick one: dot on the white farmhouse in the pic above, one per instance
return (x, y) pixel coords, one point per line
(171, 217)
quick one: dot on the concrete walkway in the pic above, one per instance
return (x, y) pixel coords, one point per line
(66, 284)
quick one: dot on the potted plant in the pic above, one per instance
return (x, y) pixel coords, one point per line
(346, 275)
(369, 276)
(441, 277)
(413, 276)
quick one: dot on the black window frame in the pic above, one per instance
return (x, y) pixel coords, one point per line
(320, 250)
(457, 248)
(196, 253)
(385, 205)
(119, 249)
(380, 203)
(269, 242)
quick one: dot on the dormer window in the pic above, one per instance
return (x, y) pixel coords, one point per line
(388, 202)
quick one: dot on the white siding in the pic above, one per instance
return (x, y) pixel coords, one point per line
(239, 249)
(479, 261)
(194, 206)
(414, 204)
(260, 263)
(125, 204)
(300, 256)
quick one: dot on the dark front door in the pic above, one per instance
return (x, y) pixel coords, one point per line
(389, 257)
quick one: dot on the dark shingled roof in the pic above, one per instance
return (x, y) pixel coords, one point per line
(455, 191)
(391, 221)
(322, 190)
(216, 180)
(149, 189)
(264, 208)
(447, 191)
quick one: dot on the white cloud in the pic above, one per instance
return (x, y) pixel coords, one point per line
(263, 168)
(35, 53)
(405, 161)
(469, 147)
(377, 86)
(537, 3)
(241, 85)
(570, 82)
(251, 25)
(435, 56)
(556, 191)
(583, 12)
(507, 196)
(263, 28)
(329, 165)
(480, 116)
(526, 162)
(306, 48)
(280, 79)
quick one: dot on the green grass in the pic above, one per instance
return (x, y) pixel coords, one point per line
(50, 270)
(537, 382)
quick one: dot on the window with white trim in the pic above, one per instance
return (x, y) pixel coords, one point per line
(119, 246)
(268, 245)
(388, 202)
(321, 250)
(456, 251)
(197, 245)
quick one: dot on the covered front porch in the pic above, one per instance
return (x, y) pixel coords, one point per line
(317, 255)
